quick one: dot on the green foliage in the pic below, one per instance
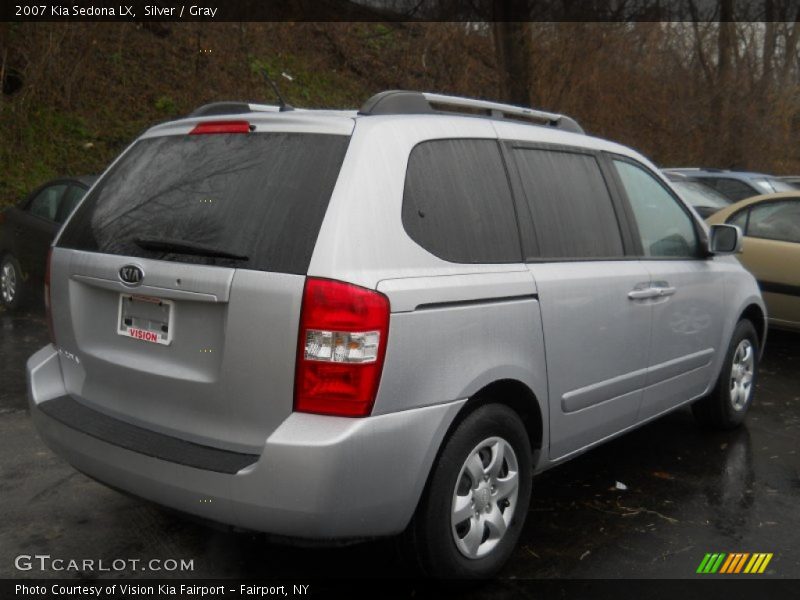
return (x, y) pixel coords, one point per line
(45, 146)
(39, 143)
(91, 88)
(166, 104)
(307, 86)
(379, 37)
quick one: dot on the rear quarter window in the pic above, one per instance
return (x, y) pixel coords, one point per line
(259, 195)
(457, 202)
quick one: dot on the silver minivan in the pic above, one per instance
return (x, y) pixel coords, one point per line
(338, 325)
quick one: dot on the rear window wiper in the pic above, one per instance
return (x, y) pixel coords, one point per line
(184, 247)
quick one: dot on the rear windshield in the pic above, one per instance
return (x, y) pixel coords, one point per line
(253, 201)
(699, 194)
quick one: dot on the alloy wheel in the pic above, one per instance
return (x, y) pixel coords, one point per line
(485, 497)
(741, 384)
(8, 283)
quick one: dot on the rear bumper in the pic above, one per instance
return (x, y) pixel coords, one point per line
(317, 477)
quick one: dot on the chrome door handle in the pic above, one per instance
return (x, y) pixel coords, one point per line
(656, 289)
(643, 293)
(665, 291)
(663, 288)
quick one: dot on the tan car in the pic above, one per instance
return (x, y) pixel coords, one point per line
(771, 226)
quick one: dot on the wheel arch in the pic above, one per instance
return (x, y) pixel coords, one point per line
(519, 397)
(756, 315)
(510, 392)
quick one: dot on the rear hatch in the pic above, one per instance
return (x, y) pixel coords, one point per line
(177, 285)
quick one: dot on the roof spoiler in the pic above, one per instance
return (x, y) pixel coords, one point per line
(231, 108)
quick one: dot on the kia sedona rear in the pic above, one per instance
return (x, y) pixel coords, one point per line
(194, 362)
(339, 325)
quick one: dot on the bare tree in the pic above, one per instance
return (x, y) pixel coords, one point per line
(512, 44)
(513, 52)
(720, 144)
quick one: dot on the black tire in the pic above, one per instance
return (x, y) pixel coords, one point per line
(430, 538)
(720, 409)
(11, 301)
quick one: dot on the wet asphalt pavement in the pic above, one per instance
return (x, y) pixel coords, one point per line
(689, 492)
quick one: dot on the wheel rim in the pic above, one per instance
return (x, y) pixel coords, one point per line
(485, 497)
(742, 374)
(8, 283)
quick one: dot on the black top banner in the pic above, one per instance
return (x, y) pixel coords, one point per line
(400, 10)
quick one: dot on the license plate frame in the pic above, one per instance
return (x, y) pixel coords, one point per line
(143, 318)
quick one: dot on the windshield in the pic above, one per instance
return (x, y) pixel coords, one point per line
(252, 200)
(698, 194)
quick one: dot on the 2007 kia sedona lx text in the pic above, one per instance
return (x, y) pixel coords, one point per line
(341, 325)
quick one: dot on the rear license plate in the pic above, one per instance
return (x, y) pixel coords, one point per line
(145, 318)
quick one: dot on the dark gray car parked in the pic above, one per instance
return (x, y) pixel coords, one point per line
(734, 185)
(28, 229)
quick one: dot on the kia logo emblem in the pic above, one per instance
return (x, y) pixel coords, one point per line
(131, 275)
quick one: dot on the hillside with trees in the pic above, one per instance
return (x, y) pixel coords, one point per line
(684, 93)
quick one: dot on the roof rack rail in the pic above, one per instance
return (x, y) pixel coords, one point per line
(709, 169)
(402, 102)
(231, 108)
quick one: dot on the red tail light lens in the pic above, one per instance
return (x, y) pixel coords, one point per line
(221, 127)
(47, 305)
(341, 347)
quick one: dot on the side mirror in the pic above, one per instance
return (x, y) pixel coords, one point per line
(725, 239)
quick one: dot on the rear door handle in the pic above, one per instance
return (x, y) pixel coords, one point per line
(643, 294)
(656, 289)
(663, 288)
(642, 291)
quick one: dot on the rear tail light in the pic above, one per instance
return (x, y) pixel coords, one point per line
(341, 347)
(221, 127)
(47, 305)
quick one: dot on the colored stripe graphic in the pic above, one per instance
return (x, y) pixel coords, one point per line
(740, 564)
(737, 559)
(727, 564)
(758, 563)
(711, 562)
(717, 563)
(735, 562)
(754, 563)
(703, 563)
(765, 563)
